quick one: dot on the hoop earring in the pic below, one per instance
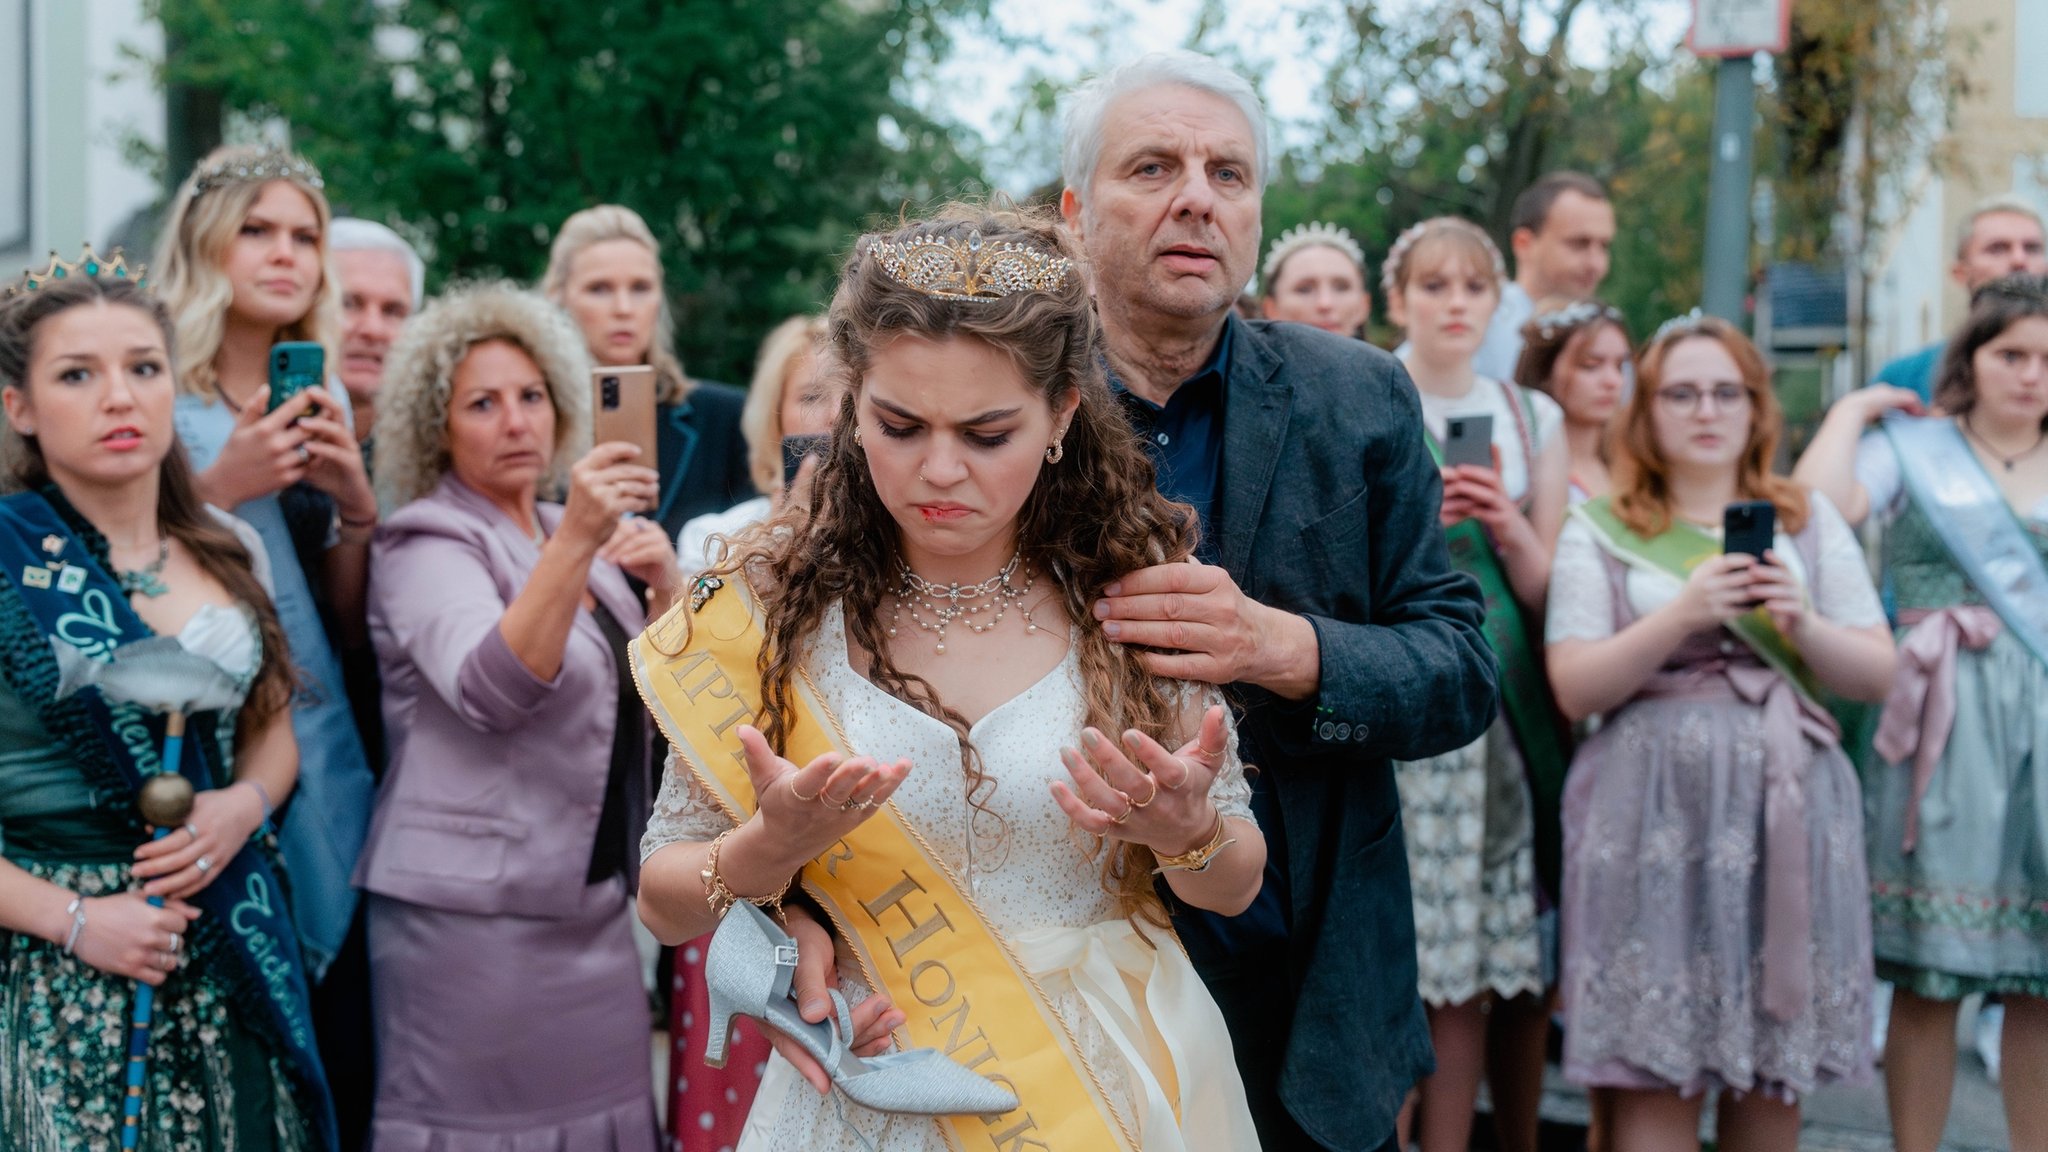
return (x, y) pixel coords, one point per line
(1056, 453)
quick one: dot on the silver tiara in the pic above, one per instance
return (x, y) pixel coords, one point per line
(1690, 322)
(272, 164)
(1309, 236)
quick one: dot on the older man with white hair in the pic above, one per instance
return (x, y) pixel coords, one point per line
(383, 282)
(1325, 596)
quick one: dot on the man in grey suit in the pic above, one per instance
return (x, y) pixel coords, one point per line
(1325, 597)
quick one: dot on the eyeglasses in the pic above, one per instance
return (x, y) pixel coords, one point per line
(1684, 399)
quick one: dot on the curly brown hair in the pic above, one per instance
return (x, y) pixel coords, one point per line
(1642, 479)
(1090, 519)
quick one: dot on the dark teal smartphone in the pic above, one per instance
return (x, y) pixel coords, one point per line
(295, 366)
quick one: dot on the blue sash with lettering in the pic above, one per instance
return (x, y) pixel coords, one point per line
(88, 610)
(1975, 524)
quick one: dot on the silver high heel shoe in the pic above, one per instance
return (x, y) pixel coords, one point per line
(747, 972)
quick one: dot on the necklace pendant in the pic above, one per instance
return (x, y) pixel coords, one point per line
(144, 581)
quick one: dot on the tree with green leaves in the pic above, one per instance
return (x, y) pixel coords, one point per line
(756, 138)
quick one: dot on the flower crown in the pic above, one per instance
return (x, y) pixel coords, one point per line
(271, 164)
(1578, 314)
(87, 264)
(973, 269)
(1310, 235)
(1396, 264)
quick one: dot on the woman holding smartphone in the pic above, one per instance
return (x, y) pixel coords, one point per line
(1471, 828)
(1716, 927)
(242, 267)
(605, 271)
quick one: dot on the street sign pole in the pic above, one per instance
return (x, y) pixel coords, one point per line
(1725, 280)
(1733, 31)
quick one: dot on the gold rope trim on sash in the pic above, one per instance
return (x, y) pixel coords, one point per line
(1059, 1109)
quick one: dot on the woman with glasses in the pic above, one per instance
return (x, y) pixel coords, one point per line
(1716, 928)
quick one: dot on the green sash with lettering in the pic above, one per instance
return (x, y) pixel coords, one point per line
(914, 926)
(1525, 697)
(1680, 549)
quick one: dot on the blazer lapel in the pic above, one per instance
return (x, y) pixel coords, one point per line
(676, 444)
(1256, 402)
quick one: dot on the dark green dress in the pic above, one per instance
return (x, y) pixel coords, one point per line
(214, 1083)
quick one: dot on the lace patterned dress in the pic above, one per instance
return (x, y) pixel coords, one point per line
(1468, 815)
(1669, 863)
(214, 1086)
(1039, 887)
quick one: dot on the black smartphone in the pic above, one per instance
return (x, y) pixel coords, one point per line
(295, 366)
(1468, 440)
(794, 449)
(1748, 526)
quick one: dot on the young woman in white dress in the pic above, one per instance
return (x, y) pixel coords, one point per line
(977, 448)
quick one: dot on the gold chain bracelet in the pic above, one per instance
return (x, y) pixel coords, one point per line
(1199, 859)
(722, 898)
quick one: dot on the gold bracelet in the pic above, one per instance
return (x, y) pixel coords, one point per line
(722, 898)
(1199, 859)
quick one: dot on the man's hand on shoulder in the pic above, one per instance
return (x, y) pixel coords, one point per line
(1205, 628)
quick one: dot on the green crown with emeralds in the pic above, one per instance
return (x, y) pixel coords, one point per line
(87, 264)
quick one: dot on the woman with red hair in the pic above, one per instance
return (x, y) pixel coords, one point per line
(1716, 922)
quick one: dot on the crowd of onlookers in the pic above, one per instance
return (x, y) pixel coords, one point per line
(1727, 794)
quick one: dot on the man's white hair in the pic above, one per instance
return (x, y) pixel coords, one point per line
(2009, 203)
(1088, 106)
(350, 234)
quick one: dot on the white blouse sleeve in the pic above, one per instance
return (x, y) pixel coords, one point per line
(1877, 470)
(1548, 418)
(1842, 590)
(1581, 605)
(683, 812)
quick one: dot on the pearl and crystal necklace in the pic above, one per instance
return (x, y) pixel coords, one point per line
(947, 604)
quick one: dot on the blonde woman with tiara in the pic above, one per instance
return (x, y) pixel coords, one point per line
(604, 269)
(242, 266)
(1473, 847)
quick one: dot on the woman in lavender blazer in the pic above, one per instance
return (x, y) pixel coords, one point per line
(499, 867)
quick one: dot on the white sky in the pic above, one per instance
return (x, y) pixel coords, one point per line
(985, 82)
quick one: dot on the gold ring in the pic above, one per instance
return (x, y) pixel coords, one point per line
(1150, 797)
(1128, 808)
(801, 796)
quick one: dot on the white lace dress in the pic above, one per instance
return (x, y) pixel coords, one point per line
(1040, 888)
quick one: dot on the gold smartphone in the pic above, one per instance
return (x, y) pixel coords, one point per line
(622, 408)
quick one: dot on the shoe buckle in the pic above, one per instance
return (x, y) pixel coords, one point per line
(785, 955)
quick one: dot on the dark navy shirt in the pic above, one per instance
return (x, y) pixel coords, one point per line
(1184, 437)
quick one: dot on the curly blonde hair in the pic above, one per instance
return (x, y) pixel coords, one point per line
(617, 222)
(187, 272)
(412, 410)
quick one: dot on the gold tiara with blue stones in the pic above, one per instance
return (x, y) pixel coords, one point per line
(973, 269)
(87, 264)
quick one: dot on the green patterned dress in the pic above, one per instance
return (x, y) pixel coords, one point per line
(214, 1083)
(1967, 909)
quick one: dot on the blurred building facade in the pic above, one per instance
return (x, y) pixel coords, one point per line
(1997, 145)
(75, 99)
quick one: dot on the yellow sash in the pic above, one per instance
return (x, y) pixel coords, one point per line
(917, 932)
